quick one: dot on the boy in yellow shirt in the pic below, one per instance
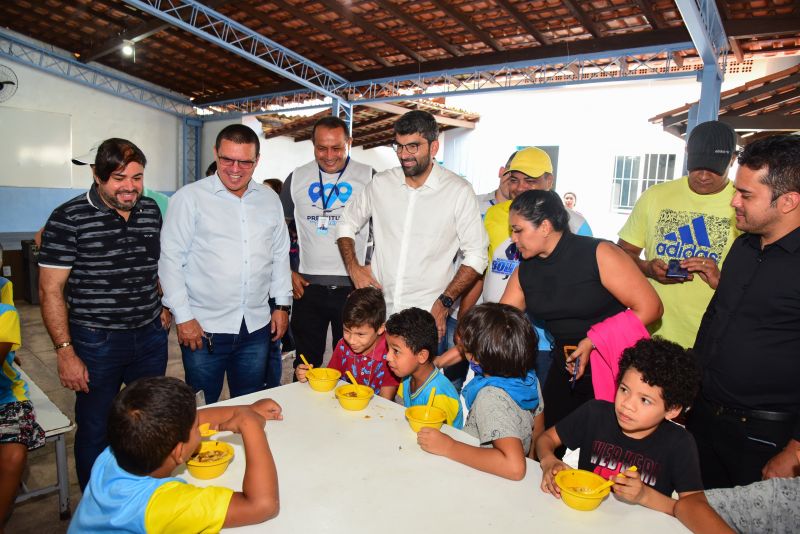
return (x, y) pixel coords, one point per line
(153, 428)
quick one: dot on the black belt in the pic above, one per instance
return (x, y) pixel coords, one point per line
(762, 415)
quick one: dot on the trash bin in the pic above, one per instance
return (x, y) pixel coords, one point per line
(30, 265)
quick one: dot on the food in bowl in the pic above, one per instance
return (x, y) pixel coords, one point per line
(354, 398)
(211, 460)
(209, 456)
(577, 489)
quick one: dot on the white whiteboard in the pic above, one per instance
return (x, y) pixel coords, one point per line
(35, 148)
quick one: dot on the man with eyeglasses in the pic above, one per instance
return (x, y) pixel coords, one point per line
(422, 215)
(224, 252)
(314, 197)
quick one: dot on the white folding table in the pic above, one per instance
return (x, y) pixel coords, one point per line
(55, 425)
(363, 472)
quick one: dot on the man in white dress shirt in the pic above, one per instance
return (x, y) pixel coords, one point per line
(422, 214)
(224, 252)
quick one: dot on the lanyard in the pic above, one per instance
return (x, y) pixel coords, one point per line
(322, 187)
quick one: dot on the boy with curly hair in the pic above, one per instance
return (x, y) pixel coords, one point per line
(657, 380)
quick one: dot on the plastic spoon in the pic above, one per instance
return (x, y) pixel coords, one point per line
(306, 362)
(608, 483)
(430, 402)
(353, 380)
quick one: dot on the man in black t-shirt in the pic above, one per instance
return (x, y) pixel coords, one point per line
(103, 247)
(747, 418)
(657, 378)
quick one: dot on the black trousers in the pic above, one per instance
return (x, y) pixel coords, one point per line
(732, 450)
(319, 307)
(560, 397)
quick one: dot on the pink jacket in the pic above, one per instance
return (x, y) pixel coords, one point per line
(610, 337)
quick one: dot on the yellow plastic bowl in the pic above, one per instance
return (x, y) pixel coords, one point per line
(348, 402)
(323, 379)
(206, 431)
(417, 420)
(213, 469)
(574, 483)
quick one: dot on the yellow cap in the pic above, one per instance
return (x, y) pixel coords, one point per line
(531, 161)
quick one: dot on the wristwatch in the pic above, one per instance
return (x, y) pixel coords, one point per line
(283, 307)
(446, 301)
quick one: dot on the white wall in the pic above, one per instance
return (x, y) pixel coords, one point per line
(94, 116)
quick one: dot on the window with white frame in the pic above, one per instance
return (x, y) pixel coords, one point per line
(634, 174)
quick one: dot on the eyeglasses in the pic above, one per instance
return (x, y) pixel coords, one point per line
(411, 148)
(243, 163)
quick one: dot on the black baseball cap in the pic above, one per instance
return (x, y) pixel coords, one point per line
(710, 147)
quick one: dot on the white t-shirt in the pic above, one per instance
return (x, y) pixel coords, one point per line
(317, 210)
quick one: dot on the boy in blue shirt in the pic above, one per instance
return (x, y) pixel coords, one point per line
(412, 340)
(153, 428)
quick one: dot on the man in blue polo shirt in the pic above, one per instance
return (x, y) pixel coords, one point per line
(103, 247)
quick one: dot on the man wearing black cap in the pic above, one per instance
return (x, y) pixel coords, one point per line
(689, 220)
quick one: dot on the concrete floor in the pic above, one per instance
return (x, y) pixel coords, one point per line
(40, 515)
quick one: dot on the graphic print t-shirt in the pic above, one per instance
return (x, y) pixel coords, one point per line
(666, 459)
(311, 201)
(670, 221)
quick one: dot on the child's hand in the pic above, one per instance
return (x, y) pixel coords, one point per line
(551, 466)
(243, 417)
(301, 371)
(629, 487)
(433, 441)
(268, 409)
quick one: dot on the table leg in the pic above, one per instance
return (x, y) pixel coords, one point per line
(63, 477)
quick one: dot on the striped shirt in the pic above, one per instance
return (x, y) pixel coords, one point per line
(114, 263)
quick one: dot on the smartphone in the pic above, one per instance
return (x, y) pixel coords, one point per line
(674, 270)
(568, 350)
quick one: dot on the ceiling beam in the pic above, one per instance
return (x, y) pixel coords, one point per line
(133, 35)
(212, 26)
(655, 20)
(763, 122)
(270, 23)
(582, 18)
(754, 107)
(736, 48)
(417, 25)
(761, 26)
(400, 110)
(456, 13)
(370, 29)
(313, 22)
(523, 21)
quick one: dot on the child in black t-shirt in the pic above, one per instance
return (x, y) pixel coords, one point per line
(657, 379)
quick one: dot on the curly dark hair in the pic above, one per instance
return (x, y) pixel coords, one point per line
(147, 419)
(500, 337)
(417, 328)
(418, 122)
(666, 365)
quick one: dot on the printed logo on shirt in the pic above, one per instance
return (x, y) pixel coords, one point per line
(688, 234)
(610, 460)
(505, 266)
(329, 193)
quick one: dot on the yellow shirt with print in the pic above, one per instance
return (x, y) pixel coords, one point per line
(670, 221)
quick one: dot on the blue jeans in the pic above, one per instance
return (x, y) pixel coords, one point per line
(456, 373)
(243, 356)
(113, 358)
(272, 377)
